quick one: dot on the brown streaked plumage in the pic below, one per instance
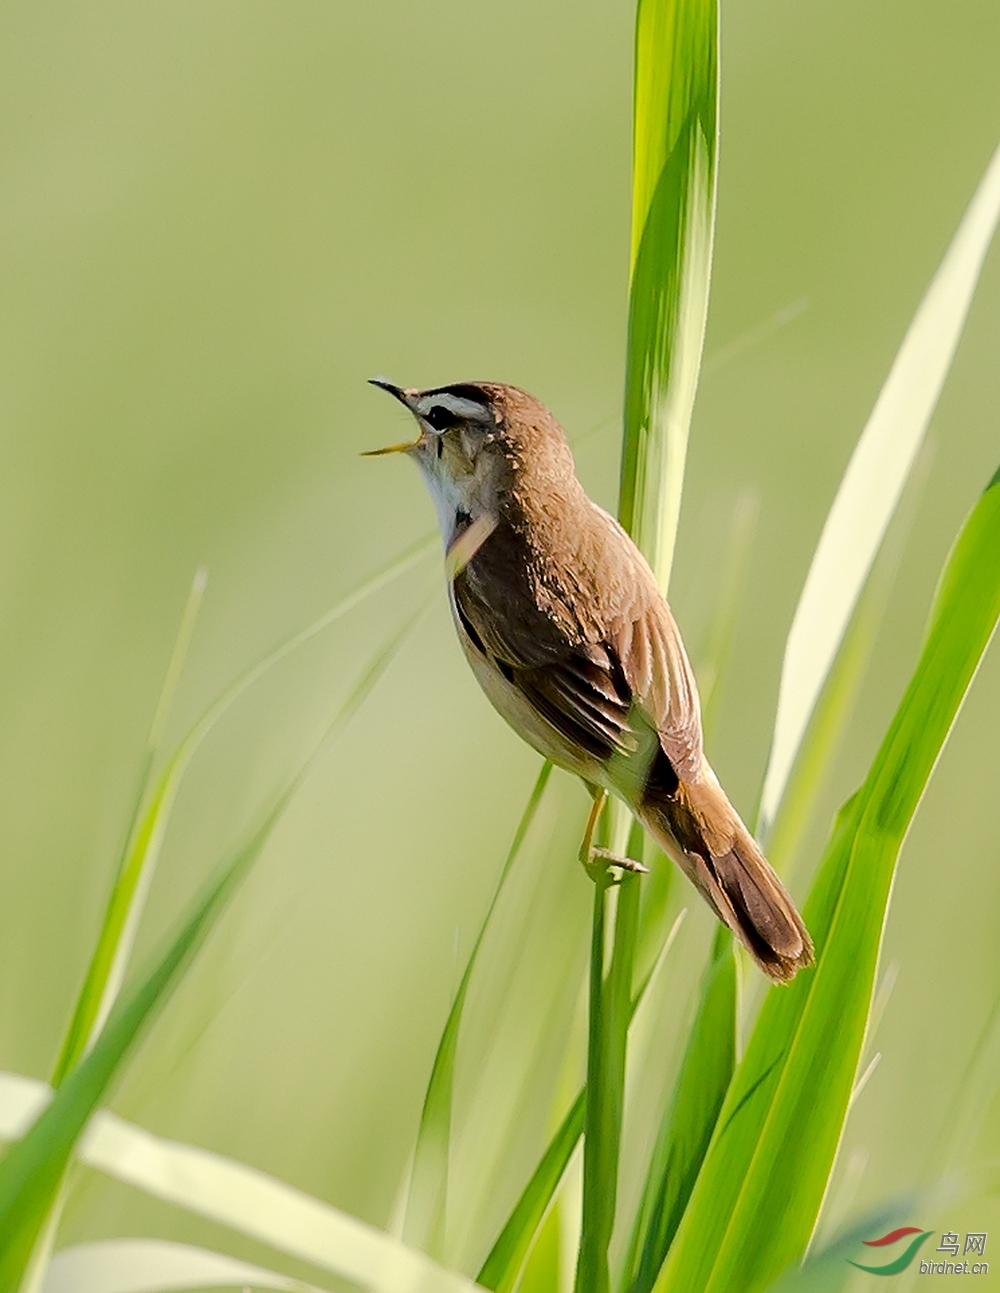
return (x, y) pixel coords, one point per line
(570, 637)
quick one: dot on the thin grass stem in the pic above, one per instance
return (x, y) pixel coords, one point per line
(33, 1174)
(428, 1189)
(144, 839)
(615, 912)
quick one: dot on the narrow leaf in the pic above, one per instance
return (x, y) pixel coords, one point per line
(33, 1168)
(83, 1014)
(704, 1077)
(156, 1266)
(874, 480)
(837, 698)
(32, 1171)
(243, 1198)
(268, 1210)
(145, 838)
(610, 1015)
(673, 215)
(758, 1196)
(427, 1197)
(502, 1267)
(673, 219)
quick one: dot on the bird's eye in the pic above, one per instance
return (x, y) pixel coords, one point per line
(440, 418)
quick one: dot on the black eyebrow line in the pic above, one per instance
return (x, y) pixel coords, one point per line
(463, 391)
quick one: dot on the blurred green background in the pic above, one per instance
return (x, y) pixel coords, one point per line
(217, 221)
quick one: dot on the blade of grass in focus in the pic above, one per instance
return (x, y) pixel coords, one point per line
(758, 1195)
(674, 170)
(685, 1128)
(906, 405)
(145, 837)
(609, 1017)
(683, 1132)
(32, 1172)
(675, 150)
(874, 481)
(428, 1190)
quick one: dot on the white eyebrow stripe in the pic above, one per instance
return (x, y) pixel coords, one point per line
(467, 409)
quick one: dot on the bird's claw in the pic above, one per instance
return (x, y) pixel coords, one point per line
(601, 861)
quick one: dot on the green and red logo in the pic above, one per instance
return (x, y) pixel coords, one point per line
(901, 1262)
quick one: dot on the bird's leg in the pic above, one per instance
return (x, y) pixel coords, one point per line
(597, 860)
(587, 845)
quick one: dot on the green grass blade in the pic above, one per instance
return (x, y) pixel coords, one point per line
(427, 1197)
(758, 1195)
(834, 708)
(874, 480)
(32, 1171)
(75, 1039)
(175, 665)
(674, 168)
(675, 154)
(109, 962)
(673, 214)
(502, 1267)
(610, 1014)
(263, 1208)
(592, 1273)
(157, 1266)
(702, 1083)
(240, 1197)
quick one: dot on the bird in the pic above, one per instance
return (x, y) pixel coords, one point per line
(567, 632)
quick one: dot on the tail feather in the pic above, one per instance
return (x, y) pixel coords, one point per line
(701, 830)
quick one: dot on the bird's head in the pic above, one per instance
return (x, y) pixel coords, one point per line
(478, 441)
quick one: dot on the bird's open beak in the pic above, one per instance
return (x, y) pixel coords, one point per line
(390, 448)
(402, 396)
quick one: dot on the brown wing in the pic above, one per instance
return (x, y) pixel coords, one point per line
(586, 698)
(659, 676)
(599, 695)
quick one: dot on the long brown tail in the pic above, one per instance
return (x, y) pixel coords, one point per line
(701, 830)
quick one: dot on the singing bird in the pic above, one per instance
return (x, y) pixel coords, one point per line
(565, 627)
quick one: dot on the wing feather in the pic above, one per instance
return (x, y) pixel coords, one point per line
(660, 677)
(597, 694)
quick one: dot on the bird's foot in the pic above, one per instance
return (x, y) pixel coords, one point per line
(601, 861)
